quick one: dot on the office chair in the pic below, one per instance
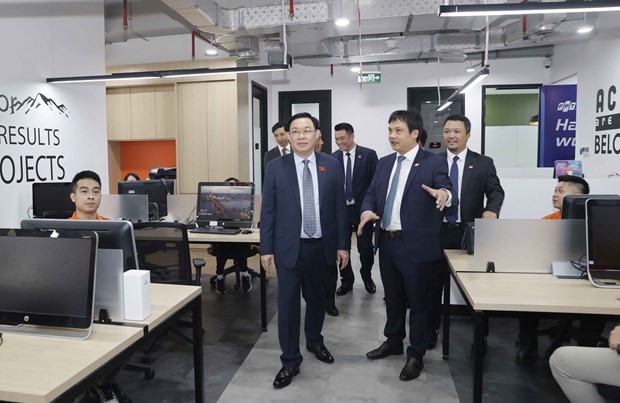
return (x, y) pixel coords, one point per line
(163, 249)
(226, 253)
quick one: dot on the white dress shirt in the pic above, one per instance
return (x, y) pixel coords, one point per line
(299, 166)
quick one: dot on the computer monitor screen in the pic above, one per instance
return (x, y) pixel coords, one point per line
(603, 234)
(113, 234)
(574, 206)
(47, 279)
(156, 190)
(52, 200)
(226, 203)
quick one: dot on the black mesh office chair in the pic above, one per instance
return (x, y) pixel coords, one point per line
(227, 253)
(163, 249)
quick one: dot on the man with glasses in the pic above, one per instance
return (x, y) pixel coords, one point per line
(303, 239)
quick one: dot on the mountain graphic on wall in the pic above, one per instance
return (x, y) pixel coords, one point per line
(41, 100)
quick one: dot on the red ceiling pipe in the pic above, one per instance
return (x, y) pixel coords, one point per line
(125, 16)
(331, 70)
(194, 36)
(291, 9)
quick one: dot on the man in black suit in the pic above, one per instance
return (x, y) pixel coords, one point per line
(360, 162)
(282, 147)
(304, 233)
(407, 235)
(477, 178)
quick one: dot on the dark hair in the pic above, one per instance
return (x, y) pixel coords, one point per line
(135, 175)
(277, 126)
(344, 126)
(232, 179)
(460, 118)
(410, 117)
(84, 175)
(422, 137)
(581, 183)
(301, 115)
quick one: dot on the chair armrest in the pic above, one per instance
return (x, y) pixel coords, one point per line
(199, 263)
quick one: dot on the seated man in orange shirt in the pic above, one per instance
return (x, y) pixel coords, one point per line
(86, 194)
(591, 327)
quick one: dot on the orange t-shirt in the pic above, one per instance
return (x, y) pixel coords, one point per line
(553, 216)
(75, 217)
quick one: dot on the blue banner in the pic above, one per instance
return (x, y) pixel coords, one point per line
(558, 124)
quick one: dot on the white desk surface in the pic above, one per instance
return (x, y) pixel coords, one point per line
(39, 368)
(521, 292)
(254, 237)
(166, 299)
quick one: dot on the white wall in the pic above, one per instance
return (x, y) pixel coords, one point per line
(53, 40)
(368, 107)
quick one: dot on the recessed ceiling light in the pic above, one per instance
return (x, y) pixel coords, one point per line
(356, 69)
(211, 52)
(584, 29)
(342, 21)
(470, 69)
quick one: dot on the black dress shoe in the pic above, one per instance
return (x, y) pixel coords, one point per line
(284, 377)
(344, 289)
(527, 352)
(384, 350)
(332, 311)
(412, 369)
(321, 353)
(370, 286)
(432, 340)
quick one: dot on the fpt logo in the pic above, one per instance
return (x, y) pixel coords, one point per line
(567, 106)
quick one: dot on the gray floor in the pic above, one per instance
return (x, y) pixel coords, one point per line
(241, 361)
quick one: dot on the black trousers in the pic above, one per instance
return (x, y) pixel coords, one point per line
(310, 273)
(404, 281)
(364, 247)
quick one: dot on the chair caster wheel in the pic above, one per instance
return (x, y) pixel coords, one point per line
(212, 282)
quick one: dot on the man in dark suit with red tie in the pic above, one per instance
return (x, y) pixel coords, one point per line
(474, 177)
(359, 165)
(406, 198)
(304, 234)
(282, 145)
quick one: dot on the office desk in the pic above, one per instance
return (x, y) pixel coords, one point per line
(253, 238)
(512, 293)
(42, 369)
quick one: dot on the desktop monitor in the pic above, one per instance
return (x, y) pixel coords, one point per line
(47, 281)
(156, 190)
(52, 200)
(603, 234)
(116, 254)
(225, 204)
(574, 206)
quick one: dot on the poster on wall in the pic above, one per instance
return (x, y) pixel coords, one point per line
(558, 124)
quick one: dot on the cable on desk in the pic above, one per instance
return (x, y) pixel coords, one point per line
(1, 340)
(580, 266)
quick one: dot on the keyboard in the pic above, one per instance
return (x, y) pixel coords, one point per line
(216, 230)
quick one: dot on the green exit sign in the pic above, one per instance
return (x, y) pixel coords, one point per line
(369, 77)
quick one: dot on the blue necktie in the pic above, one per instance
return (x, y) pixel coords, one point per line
(452, 213)
(348, 181)
(308, 218)
(389, 202)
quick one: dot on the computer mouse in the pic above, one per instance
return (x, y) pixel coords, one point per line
(246, 231)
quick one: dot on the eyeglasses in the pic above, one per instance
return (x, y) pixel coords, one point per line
(306, 132)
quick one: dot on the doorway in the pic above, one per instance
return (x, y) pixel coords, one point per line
(317, 103)
(260, 132)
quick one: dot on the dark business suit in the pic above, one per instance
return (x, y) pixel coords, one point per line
(271, 155)
(363, 170)
(406, 256)
(479, 180)
(297, 260)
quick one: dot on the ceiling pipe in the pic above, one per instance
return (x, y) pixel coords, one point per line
(291, 9)
(125, 16)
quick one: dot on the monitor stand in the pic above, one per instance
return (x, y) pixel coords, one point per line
(49, 331)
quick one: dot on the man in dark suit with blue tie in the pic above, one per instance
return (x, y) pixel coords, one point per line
(304, 234)
(359, 164)
(473, 177)
(407, 197)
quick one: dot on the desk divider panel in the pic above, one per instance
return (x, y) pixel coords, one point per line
(528, 245)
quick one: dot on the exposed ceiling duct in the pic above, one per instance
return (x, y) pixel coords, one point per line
(392, 30)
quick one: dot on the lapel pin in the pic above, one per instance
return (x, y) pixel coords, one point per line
(471, 166)
(416, 164)
(322, 169)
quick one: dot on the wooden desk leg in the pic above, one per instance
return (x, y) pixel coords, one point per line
(198, 359)
(446, 315)
(479, 321)
(263, 299)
